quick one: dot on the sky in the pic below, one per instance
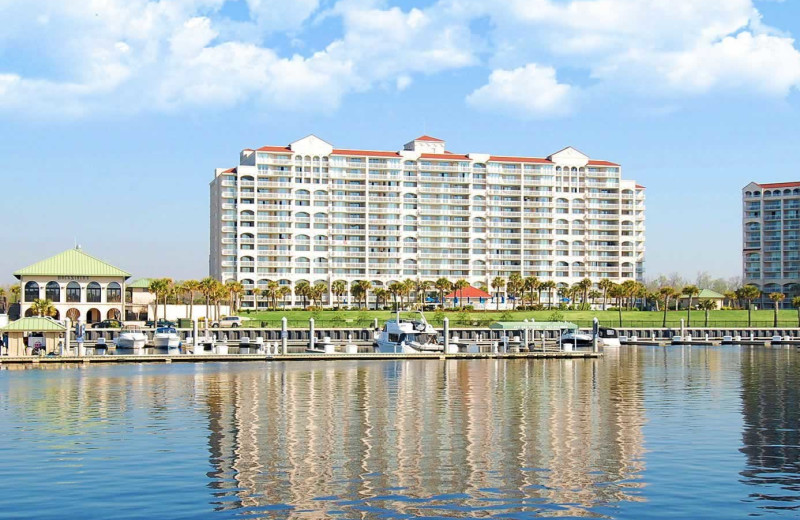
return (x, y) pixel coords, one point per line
(114, 113)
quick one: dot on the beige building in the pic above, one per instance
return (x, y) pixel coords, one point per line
(80, 286)
(771, 238)
(312, 212)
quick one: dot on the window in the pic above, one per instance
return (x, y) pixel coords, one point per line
(53, 292)
(93, 292)
(73, 292)
(31, 291)
(113, 293)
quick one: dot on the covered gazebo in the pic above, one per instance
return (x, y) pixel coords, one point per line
(469, 295)
(32, 332)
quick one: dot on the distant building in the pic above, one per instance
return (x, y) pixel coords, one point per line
(79, 285)
(771, 238)
(309, 212)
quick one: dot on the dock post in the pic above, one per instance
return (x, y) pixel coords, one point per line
(525, 335)
(68, 323)
(375, 324)
(194, 335)
(311, 333)
(446, 325)
(683, 332)
(284, 336)
(595, 332)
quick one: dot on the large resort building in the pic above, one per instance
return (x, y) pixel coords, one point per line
(771, 241)
(309, 211)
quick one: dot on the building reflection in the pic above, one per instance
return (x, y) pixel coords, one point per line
(320, 437)
(771, 436)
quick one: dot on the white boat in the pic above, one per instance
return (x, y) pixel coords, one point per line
(606, 338)
(130, 341)
(410, 334)
(166, 340)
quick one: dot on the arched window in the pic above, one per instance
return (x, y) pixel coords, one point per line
(93, 292)
(52, 292)
(31, 291)
(73, 292)
(113, 293)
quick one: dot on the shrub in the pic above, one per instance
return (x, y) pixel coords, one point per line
(556, 316)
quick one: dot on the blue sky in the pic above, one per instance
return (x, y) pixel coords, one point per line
(114, 114)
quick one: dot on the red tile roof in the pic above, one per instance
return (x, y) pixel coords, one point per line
(639, 187)
(230, 170)
(504, 158)
(285, 149)
(469, 292)
(602, 163)
(781, 185)
(447, 155)
(375, 153)
(428, 138)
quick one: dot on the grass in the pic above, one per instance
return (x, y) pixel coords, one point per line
(350, 318)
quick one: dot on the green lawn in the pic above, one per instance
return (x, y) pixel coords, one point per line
(735, 318)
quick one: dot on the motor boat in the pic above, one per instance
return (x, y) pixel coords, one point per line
(606, 338)
(166, 340)
(131, 342)
(409, 334)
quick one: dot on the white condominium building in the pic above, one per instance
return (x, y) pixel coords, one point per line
(771, 238)
(309, 211)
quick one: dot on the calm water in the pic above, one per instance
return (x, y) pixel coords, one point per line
(643, 433)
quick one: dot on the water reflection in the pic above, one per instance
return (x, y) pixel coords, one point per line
(475, 438)
(771, 437)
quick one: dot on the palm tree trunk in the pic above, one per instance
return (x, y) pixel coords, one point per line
(749, 308)
(706, 325)
(775, 318)
(689, 312)
(666, 306)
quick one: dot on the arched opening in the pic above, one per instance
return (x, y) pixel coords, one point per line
(93, 292)
(52, 292)
(93, 316)
(31, 291)
(74, 314)
(113, 314)
(113, 293)
(73, 292)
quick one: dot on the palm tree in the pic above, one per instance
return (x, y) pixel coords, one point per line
(707, 305)
(395, 289)
(776, 298)
(459, 286)
(318, 291)
(2, 300)
(498, 284)
(731, 297)
(380, 296)
(442, 285)
(617, 292)
(15, 290)
(748, 293)
(690, 291)
(42, 307)
(796, 303)
(271, 292)
(301, 289)
(220, 293)
(161, 287)
(594, 295)
(191, 286)
(605, 285)
(409, 287)
(360, 289)
(514, 287)
(283, 292)
(424, 288)
(531, 283)
(584, 285)
(339, 288)
(666, 293)
(548, 286)
(629, 289)
(206, 287)
(235, 289)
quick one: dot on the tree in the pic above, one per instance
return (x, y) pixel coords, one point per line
(161, 288)
(498, 283)
(339, 288)
(424, 287)
(796, 303)
(442, 285)
(409, 288)
(3, 302)
(548, 286)
(360, 289)
(207, 287)
(459, 286)
(617, 292)
(191, 286)
(235, 290)
(42, 307)
(283, 292)
(15, 290)
(396, 290)
(514, 288)
(691, 291)
(584, 286)
(531, 284)
(731, 297)
(776, 298)
(594, 295)
(380, 296)
(707, 305)
(666, 293)
(748, 293)
(302, 289)
(605, 285)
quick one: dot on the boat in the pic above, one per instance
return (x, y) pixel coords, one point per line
(409, 334)
(166, 340)
(606, 338)
(130, 341)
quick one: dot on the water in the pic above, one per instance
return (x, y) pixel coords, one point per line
(646, 432)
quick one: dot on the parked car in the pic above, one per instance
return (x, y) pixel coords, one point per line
(160, 323)
(228, 321)
(107, 324)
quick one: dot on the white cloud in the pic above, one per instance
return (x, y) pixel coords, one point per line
(529, 91)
